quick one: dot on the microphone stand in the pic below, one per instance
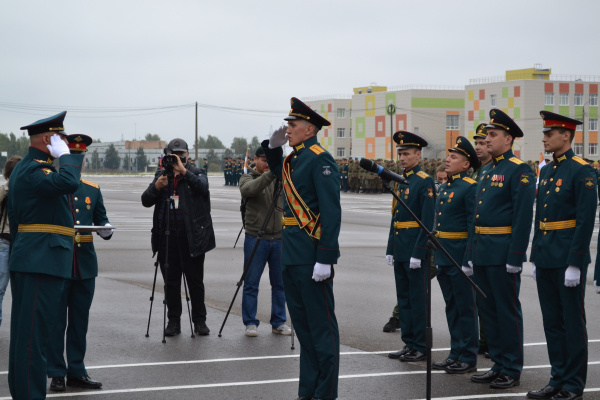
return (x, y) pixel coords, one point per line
(433, 244)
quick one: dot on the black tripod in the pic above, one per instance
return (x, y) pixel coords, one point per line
(165, 234)
(261, 232)
(433, 244)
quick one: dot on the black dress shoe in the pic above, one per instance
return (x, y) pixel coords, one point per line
(504, 381)
(303, 398)
(201, 329)
(392, 325)
(83, 382)
(546, 392)
(460, 367)
(413, 355)
(58, 384)
(487, 355)
(487, 377)
(173, 329)
(566, 395)
(443, 364)
(397, 354)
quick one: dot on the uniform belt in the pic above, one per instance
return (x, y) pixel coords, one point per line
(47, 228)
(451, 235)
(288, 221)
(406, 225)
(493, 230)
(556, 225)
(83, 238)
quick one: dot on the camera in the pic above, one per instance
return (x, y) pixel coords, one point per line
(170, 160)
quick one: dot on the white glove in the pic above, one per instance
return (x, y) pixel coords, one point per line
(105, 232)
(597, 288)
(321, 272)
(467, 270)
(390, 259)
(572, 276)
(533, 274)
(277, 139)
(57, 146)
(511, 269)
(415, 263)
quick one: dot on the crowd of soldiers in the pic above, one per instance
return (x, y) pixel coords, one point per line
(233, 171)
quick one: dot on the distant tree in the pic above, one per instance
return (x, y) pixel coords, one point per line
(151, 137)
(201, 144)
(239, 146)
(213, 142)
(141, 161)
(95, 160)
(111, 158)
(254, 144)
(126, 163)
(212, 158)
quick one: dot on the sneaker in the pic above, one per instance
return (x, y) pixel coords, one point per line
(201, 329)
(251, 331)
(392, 325)
(173, 328)
(282, 329)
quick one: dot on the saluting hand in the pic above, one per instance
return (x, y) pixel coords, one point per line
(277, 139)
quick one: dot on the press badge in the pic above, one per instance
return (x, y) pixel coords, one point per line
(175, 202)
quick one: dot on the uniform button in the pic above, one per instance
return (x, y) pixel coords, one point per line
(77, 210)
(444, 193)
(545, 231)
(439, 224)
(295, 156)
(440, 214)
(551, 179)
(480, 201)
(545, 219)
(78, 222)
(75, 198)
(545, 205)
(483, 190)
(477, 216)
(441, 202)
(396, 233)
(548, 192)
(487, 176)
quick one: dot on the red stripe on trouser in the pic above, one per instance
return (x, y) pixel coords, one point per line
(37, 287)
(332, 339)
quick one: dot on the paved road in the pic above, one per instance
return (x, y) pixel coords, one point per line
(132, 366)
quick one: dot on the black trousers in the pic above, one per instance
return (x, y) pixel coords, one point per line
(180, 262)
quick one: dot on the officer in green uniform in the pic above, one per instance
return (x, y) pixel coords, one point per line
(205, 166)
(407, 246)
(226, 171)
(503, 214)
(344, 172)
(454, 215)
(41, 227)
(560, 253)
(311, 219)
(485, 160)
(78, 291)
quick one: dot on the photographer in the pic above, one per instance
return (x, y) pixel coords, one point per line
(182, 190)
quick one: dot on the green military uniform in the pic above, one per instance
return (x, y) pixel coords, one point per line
(315, 178)
(344, 175)
(41, 226)
(563, 226)
(226, 172)
(406, 240)
(205, 167)
(78, 291)
(454, 215)
(503, 214)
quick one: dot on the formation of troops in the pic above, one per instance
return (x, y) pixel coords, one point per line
(233, 170)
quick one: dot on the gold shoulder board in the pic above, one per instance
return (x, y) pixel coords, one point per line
(315, 148)
(92, 184)
(579, 160)
(471, 181)
(516, 160)
(422, 174)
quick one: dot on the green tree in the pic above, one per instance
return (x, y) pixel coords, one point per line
(141, 161)
(254, 144)
(111, 158)
(95, 160)
(239, 146)
(152, 137)
(213, 142)
(126, 162)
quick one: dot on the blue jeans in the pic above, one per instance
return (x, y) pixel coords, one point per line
(268, 251)
(4, 274)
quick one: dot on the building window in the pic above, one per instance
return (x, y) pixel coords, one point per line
(452, 122)
(341, 113)
(549, 99)
(593, 149)
(564, 99)
(593, 99)
(341, 152)
(578, 148)
(493, 101)
(593, 124)
(341, 132)
(578, 99)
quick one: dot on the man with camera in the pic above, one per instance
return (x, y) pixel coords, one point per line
(258, 188)
(181, 200)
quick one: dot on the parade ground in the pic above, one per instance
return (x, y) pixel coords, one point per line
(133, 366)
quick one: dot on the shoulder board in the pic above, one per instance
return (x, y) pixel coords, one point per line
(41, 161)
(92, 184)
(471, 181)
(315, 148)
(422, 174)
(579, 160)
(515, 160)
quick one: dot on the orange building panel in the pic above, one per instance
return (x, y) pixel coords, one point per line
(370, 147)
(563, 88)
(594, 88)
(517, 91)
(400, 122)
(549, 87)
(579, 88)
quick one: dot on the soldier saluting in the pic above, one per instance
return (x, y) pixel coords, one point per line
(560, 252)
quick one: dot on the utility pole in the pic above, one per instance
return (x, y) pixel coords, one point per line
(583, 132)
(391, 110)
(196, 146)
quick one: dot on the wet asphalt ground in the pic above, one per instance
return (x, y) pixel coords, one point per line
(133, 366)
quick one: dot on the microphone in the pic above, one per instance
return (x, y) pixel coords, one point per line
(385, 174)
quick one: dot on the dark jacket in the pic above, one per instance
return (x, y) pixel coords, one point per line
(194, 201)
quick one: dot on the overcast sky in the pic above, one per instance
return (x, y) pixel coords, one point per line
(101, 59)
